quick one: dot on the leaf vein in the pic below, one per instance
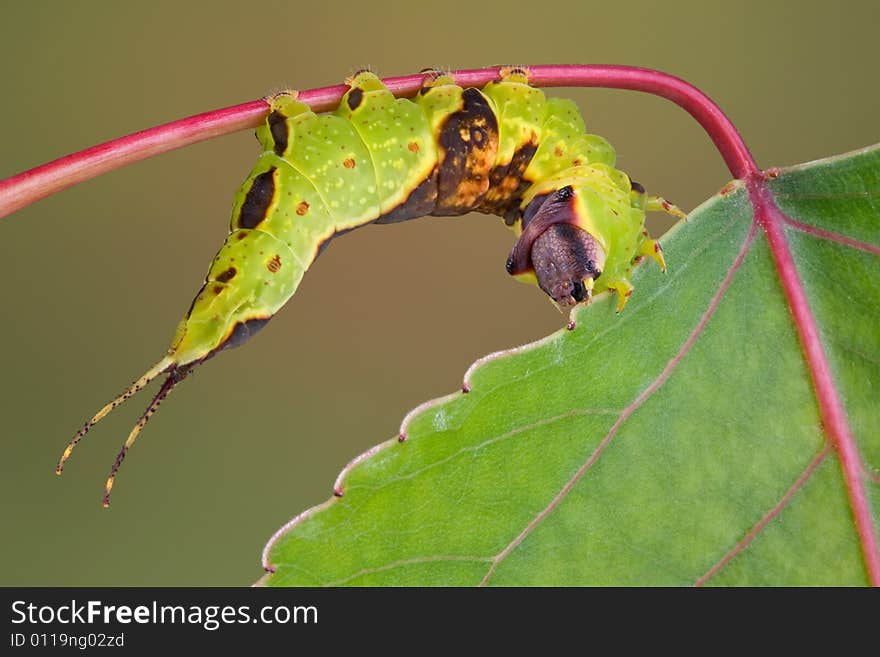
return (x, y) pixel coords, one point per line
(774, 511)
(820, 233)
(405, 562)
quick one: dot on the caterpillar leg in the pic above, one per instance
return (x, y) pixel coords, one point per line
(652, 249)
(435, 78)
(624, 289)
(640, 199)
(515, 74)
(660, 204)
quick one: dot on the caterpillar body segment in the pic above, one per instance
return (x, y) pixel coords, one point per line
(504, 149)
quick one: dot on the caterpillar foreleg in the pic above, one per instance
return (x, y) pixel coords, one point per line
(660, 204)
(514, 74)
(623, 288)
(653, 250)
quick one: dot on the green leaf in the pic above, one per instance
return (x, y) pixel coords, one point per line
(676, 443)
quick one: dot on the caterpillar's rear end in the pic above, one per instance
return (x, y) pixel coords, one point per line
(504, 150)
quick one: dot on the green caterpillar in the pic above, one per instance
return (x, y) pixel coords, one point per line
(505, 149)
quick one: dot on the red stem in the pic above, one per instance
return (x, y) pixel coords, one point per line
(25, 188)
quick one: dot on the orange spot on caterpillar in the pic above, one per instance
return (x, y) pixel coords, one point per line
(302, 208)
(274, 264)
(413, 147)
(349, 163)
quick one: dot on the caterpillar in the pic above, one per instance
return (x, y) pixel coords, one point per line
(505, 150)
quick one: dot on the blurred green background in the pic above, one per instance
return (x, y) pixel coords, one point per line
(95, 278)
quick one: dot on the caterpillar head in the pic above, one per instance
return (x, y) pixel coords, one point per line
(563, 258)
(567, 260)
